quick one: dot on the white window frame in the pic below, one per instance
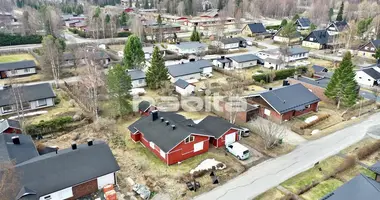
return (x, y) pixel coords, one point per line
(162, 153)
(43, 104)
(189, 139)
(7, 111)
(151, 144)
(366, 48)
(26, 70)
(267, 112)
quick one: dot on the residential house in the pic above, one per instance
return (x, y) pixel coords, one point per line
(244, 61)
(238, 110)
(145, 107)
(190, 71)
(188, 48)
(336, 27)
(41, 175)
(254, 29)
(368, 50)
(274, 63)
(6, 18)
(184, 88)
(137, 77)
(360, 187)
(278, 37)
(10, 126)
(317, 39)
(71, 23)
(205, 22)
(230, 43)
(284, 103)
(368, 76)
(34, 97)
(319, 69)
(69, 59)
(19, 68)
(127, 10)
(211, 13)
(70, 17)
(296, 53)
(303, 23)
(223, 62)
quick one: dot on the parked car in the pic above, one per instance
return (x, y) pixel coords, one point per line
(245, 132)
(238, 150)
(249, 43)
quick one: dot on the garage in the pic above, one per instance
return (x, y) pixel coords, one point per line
(230, 138)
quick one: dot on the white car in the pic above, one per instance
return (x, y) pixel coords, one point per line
(238, 150)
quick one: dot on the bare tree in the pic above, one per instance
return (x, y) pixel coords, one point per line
(270, 132)
(376, 94)
(181, 8)
(137, 26)
(9, 180)
(52, 56)
(319, 11)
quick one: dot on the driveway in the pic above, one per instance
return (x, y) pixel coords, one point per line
(273, 172)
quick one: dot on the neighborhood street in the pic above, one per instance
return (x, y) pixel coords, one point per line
(271, 173)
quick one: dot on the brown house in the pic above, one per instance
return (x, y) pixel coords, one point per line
(369, 49)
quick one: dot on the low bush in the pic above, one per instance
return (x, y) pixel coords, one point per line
(123, 34)
(280, 74)
(57, 100)
(274, 27)
(45, 127)
(320, 118)
(367, 150)
(348, 162)
(10, 39)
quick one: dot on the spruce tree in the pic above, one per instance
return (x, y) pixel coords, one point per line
(146, 4)
(343, 87)
(331, 13)
(157, 72)
(284, 22)
(134, 56)
(339, 17)
(195, 35)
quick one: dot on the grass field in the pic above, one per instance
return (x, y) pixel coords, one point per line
(271, 194)
(16, 57)
(322, 189)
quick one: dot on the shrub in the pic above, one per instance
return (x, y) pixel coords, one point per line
(45, 127)
(10, 39)
(57, 100)
(348, 162)
(320, 118)
(367, 150)
(123, 34)
(280, 74)
(275, 27)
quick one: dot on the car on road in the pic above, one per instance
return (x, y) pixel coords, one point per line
(238, 150)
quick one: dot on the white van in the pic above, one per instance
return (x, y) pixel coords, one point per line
(238, 150)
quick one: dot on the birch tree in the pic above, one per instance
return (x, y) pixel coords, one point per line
(52, 49)
(270, 132)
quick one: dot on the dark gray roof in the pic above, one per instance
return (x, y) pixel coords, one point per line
(232, 40)
(188, 68)
(372, 73)
(190, 45)
(9, 123)
(318, 68)
(321, 36)
(18, 153)
(144, 105)
(296, 50)
(244, 58)
(52, 172)
(304, 22)
(288, 98)
(28, 93)
(340, 25)
(257, 28)
(216, 126)
(273, 60)
(376, 43)
(162, 135)
(376, 168)
(181, 83)
(321, 82)
(136, 74)
(360, 187)
(17, 65)
(224, 60)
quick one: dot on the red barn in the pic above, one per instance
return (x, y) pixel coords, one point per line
(10, 126)
(282, 104)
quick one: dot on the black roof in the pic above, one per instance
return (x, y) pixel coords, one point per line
(288, 98)
(360, 187)
(28, 93)
(257, 28)
(244, 58)
(144, 105)
(188, 68)
(376, 168)
(17, 65)
(18, 153)
(304, 22)
(55, 171)
(340, 25)
(318, 68)
(136, 74)
(321, 36)
(232, 40)
(216, 126)
(181, 83)
(372, 73)
(9, 123)
(320, 82)
(163, 135)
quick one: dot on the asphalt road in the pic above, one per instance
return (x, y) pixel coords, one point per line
(271, 173)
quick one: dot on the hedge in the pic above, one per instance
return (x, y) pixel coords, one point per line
(79, 32)
(275, 27)
(320, 118)
(9, 39)
(124, 34)
(45, 127)
(280, 74)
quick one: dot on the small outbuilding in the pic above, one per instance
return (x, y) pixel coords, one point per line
(184, 88)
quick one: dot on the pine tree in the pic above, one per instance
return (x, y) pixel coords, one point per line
(343, 87)
(331, 13)
(157, 73)
(119, 83)
(195, 35)
(339, 17)
(284, 22)
(296, 17)
(134, 56)
(377, 54)
(146, 4)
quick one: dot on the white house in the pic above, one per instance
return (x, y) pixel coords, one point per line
(368, 76)
(184, 88)
(34, 96)
(273, 63)
(190, 71)
(230, 43)
(20, 68)
(137, 77)
(188, 48)
(296, 53)
(224, 63)
(244, 61)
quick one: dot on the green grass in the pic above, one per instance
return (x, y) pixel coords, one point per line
(271, 194)
(296, 183)
(322, 189)
(16, 57)
(354, 171)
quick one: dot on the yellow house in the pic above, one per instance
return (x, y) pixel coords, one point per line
(317, 39)
(254, 29)
(368, 50)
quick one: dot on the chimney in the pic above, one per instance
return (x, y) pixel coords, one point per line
(90, 142)
(73, 146)
(222, 57)
(296, 76)
(167, 123)
(16, 140)
(173, 127)
(154, 115)
(270, 88)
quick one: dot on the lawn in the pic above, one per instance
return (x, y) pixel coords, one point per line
(17, 57)
(23, 79)
(296, 183)
(354, 171)
(272, 194)
(322, 189)
(321, 62)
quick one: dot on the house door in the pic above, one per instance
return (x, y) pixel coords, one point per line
(230, 138)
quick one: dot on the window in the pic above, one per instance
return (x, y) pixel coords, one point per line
(13, 71)
(151, 144)
(267, 112)
(25, 105)
(47, 197)
(189, 139)
(360, 77)
(7, 109)
(366, 48)
(369, 79)
(26, 70)
(372, 49)
(311, 39)
(41, 102)
(308, 106)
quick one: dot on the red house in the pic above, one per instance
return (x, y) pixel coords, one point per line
(173, 138)
(282, 104)
(10, 126)
(128, 10)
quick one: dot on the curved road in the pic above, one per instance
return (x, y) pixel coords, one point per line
(271, 173)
